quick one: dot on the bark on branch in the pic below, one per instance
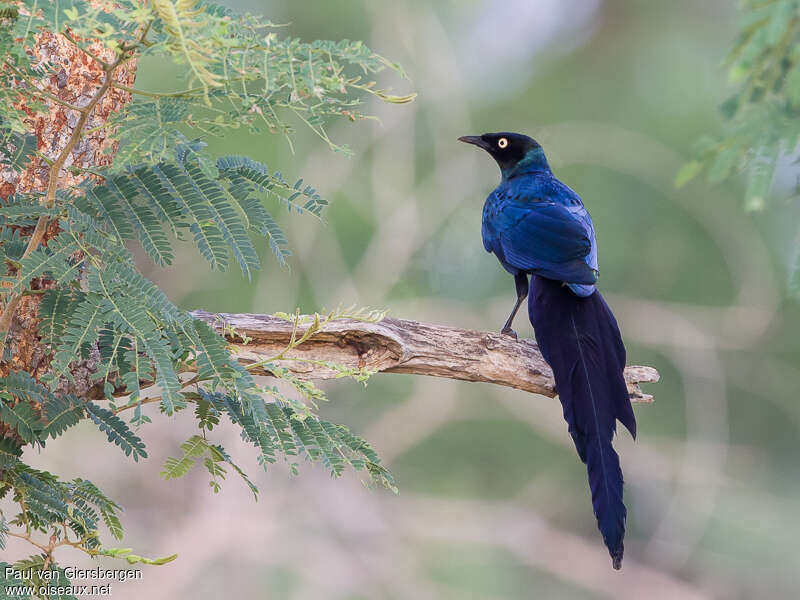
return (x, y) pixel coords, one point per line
(401, 346)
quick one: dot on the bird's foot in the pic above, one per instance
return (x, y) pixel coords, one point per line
(510, 332)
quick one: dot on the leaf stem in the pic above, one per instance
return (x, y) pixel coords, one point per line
(135, 404)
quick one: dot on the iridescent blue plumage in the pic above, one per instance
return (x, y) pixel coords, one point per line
(538, 227)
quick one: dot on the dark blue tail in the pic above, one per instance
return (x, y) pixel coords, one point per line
(580, 340)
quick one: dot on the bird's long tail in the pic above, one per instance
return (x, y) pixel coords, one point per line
(580, 340)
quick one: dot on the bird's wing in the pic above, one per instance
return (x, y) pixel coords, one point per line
(544, 237)
(488, 234)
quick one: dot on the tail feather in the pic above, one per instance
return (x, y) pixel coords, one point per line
(580, 340)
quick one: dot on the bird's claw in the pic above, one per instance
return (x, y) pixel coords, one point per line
(510, 332)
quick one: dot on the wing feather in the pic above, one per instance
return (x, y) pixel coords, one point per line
(545, 238)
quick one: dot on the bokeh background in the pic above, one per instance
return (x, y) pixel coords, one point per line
(493, 500)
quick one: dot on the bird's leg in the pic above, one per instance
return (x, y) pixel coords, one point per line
(521, 283)
(507, 327)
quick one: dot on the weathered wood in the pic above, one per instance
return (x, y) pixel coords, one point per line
(401, 346)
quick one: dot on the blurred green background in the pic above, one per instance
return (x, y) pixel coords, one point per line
(493, 500)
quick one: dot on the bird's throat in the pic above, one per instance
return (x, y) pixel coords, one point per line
(533, 161)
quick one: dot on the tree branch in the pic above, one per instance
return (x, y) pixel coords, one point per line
(401, 346)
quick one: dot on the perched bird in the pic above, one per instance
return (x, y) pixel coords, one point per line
(538, 227)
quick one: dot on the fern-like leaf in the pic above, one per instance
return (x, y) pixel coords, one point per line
(193, 448)
(277, 241)
(180, 21)
(150, 129)
(224, 215)
(44, 500)
(255, 431)
(60, 414)
(214, 360)
(89, 493)
(15, 148)
(158, 198)
(117, 431)
(19, 392)
(21, 418)
(279, 428)
(127, 316)
(205, 232)
(218, 454)
(80, 334)
(10, 452)
(102, 203)
(118, 204)
(50, 14)
(24, 387)
(12, 243)
(240, 169)
(24, 208)
(144, 221)
(55, 312)
(55, 259)
(134, 369)
(273, 428)
(153, 297)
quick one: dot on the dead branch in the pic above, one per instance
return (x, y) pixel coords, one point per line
(401, 346)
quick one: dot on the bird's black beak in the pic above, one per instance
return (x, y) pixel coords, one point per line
(475, 140)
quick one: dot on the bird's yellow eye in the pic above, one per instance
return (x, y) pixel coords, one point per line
(502, 143)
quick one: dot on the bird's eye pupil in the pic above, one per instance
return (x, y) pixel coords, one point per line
(502, 142)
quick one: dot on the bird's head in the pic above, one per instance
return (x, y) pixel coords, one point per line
(515, 153)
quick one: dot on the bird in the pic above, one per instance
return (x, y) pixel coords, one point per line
(542, 234)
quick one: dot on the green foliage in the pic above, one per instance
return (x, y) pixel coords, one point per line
(193, 448)
(117, 431)
(276, 427)
(99, 314)
(17, 391)
(213, 456)
(22, 418)
(762, 116)
(238, 75)
(87, 494)
(249, 181)
(179, 198)
(52, 14)
(132, 559)
(55, 260)
(21, 210)
(44, 500)
(184, 39)
(15, 147)
(10, 451)
(60, 413)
